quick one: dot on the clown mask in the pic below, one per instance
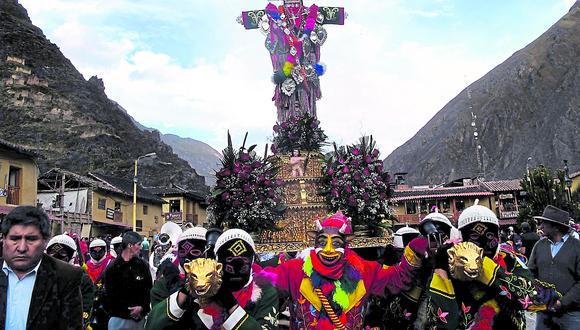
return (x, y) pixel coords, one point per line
(189, 250)
(329, 246)
(237, 257)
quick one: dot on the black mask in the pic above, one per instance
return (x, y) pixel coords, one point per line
(190, 249)
(97, 253)
(60, 252)
(484, 235)
(237, 257)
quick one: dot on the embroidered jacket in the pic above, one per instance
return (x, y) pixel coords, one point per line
(258, 309)
(496, 301)
(310, 310)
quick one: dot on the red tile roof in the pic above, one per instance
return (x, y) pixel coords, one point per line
(502, 185)
(439, 192)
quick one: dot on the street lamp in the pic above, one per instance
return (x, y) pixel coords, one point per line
(149, 155)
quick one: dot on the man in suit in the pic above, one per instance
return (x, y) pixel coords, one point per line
(36, 291)
(556, 259)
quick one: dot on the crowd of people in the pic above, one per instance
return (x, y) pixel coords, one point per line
(473, 276)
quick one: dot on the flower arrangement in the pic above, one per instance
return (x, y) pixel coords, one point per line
(301, 132)
(356, 184)
(247, 194)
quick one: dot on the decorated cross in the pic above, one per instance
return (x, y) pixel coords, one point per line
(294, 34)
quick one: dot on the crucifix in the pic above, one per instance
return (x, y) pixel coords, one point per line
(294, 34)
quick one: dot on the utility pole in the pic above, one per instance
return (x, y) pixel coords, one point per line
(61, 203)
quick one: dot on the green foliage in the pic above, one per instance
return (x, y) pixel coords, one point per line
(543, 188)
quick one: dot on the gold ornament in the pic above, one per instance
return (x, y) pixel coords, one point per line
(204, 278)
(465, 261)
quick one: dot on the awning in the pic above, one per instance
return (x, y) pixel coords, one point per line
(119, 224)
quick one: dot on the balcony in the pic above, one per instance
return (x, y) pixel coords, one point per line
(13, 195)
(118, 216)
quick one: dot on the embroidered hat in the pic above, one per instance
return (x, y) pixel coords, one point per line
(97, 242)
(437, 217)
(193, 233)
(232, 234)
(476, 213)
(62, 240)
(337, 220)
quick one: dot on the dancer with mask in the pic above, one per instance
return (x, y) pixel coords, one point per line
(99, 259)
(115, 249)
(497, 291)
(190, 246)
(330, 288)
(245, 300)
(63, 247)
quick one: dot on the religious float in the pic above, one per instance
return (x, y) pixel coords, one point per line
(277, 197)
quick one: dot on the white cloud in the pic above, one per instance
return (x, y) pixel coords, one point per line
(373, 85)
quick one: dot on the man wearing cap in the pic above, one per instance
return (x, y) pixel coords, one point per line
(36, 291)
(63, 248)
(190, 246)
(245, 300)
(330, 288)
(496, 294)
(127, 283)
(556, 259)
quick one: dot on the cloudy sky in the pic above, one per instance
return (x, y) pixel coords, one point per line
(187, 67)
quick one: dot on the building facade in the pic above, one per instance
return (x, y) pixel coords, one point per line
(18, 175)
(182, 205)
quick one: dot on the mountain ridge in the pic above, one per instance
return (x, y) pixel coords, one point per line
(527, 106)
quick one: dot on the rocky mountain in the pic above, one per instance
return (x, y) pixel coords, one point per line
(201, 156)
(48, 106)
(528, 106)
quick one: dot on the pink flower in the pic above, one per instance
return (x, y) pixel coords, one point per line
(330, 171)
(247, 188)
(368, 159)
(375, 153)
(442, 315)
(366, 171)
(465, 309)
(225, 196)
(352, 201)
(279, 183)
(345, 169)
(505, 292)
(348, 189)
(355, 151)
(526, 302)
(245, 157)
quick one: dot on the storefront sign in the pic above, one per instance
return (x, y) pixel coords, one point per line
(110, 214)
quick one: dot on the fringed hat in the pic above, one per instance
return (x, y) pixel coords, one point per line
(337, 220)
(232, 234)
(193, 233)
(116, 240)
(476, 213)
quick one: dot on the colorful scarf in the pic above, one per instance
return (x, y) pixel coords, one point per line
(333, 272)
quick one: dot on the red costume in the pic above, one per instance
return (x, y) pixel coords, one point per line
(330, 287)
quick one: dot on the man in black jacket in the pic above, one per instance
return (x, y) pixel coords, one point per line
(556, 259)
(127, 284)
(36, 291)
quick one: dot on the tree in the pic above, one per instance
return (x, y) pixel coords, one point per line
(544, 187)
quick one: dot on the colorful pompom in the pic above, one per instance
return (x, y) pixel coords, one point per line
(320, 69)
(278, 77)
(288, 68)
(340, 297)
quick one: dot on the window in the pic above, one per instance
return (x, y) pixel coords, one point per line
(117, 206)
(102, 204)
(460, 205)
(174, 205)
(138, 225)
(411, 207)
(145, 209)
